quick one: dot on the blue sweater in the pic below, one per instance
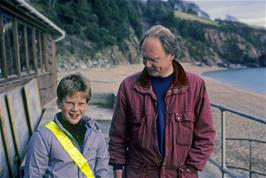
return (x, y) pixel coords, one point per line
(160, 85)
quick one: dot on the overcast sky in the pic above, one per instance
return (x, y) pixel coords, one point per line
(252, 12)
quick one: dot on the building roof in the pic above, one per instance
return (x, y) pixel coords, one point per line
(28, 10)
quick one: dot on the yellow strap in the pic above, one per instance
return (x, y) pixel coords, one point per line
(73, 152)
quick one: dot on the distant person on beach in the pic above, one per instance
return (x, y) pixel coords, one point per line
(72, 144)
(162, 124)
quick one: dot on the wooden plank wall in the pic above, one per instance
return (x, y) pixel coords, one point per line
(4, 172)
(11, 166)
(18, 120)
(32, 103)
(48, 83)
(20, 114)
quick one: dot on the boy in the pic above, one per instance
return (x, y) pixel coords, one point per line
(82, 152)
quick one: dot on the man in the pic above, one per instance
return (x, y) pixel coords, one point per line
(72, 145)
(162, 125)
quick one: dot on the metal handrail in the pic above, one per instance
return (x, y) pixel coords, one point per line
(225, 169)
(248, 116)
(250, 141)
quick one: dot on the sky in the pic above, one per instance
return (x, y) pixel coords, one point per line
(252, 12)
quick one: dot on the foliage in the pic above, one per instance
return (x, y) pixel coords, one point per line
(107, 23)
(104, 22)
(189, 17)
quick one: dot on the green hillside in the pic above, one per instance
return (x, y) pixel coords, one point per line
(110, 30)
(190, 17)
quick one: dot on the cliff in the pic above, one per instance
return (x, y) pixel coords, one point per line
(107, 32)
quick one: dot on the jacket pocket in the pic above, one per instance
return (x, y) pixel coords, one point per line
(137, 128)
(184, 127)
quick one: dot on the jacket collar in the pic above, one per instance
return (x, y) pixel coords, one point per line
(88, 122)
(179, 84)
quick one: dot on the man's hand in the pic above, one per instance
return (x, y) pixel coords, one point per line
(118, 173)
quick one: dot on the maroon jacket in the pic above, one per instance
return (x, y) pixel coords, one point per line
(189, 132)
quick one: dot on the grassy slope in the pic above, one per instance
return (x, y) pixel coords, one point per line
(190, 17)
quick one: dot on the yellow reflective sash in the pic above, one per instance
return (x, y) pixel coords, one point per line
(73, 152)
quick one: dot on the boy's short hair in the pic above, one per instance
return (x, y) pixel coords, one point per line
(71, 84)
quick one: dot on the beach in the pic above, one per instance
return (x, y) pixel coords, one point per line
(107, 80)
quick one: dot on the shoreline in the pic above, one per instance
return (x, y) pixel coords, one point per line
(107, 80)
(242, 89)
(207, 69)
(241, 86)
(242, 99)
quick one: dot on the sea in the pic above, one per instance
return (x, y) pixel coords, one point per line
(252, 79)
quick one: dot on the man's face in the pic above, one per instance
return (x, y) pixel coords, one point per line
(73, 107)
(156, 61)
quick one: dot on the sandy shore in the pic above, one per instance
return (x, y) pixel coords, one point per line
(107, 80)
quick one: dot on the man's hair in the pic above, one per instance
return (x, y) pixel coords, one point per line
(71, 84)
(166, 37)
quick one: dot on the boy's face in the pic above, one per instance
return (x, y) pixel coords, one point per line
(73, 107)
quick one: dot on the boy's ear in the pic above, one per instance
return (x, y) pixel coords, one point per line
(172, 56)
(58, 102)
